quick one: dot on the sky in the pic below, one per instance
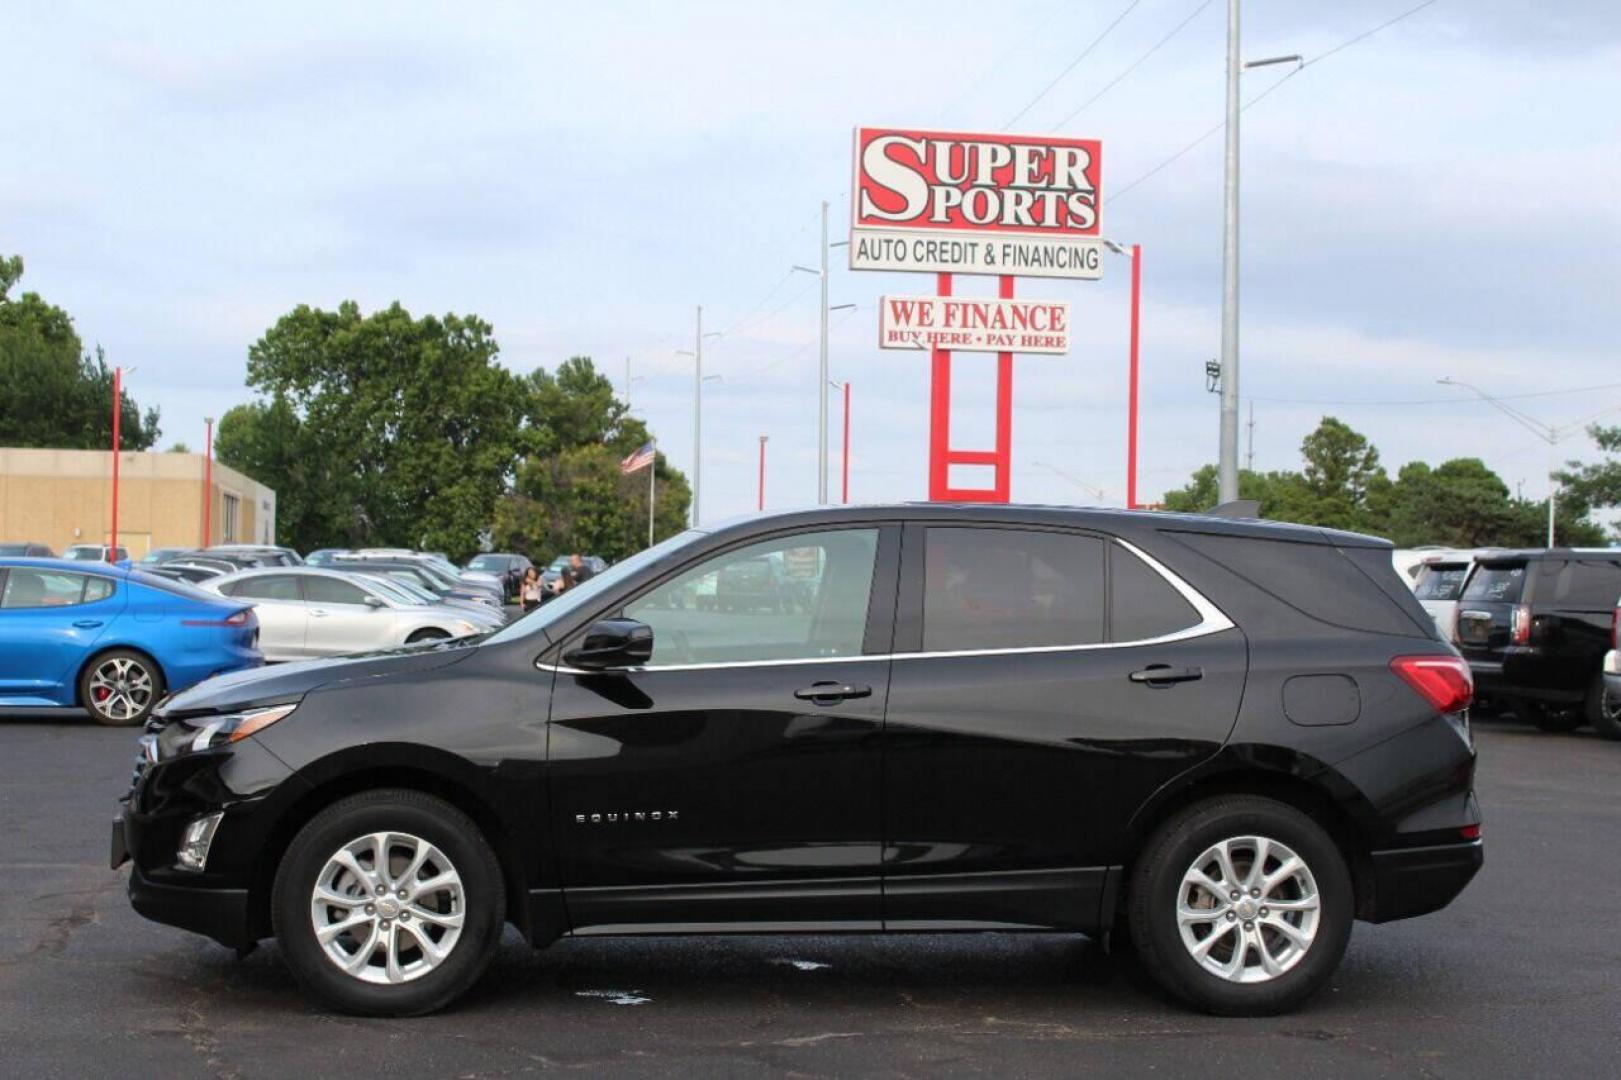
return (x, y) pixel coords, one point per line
(1437, 199)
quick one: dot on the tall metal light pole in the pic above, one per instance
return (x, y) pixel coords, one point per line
(208, 483)
(118, 409)
(1227, 461)
(821, 394)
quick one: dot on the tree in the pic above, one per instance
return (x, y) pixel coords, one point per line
(569, 494)
(53, 394)
(1596, 486)
(1459, 503)
(380, 428)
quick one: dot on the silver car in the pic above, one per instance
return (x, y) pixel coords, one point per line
(410, 593)
(308, 612)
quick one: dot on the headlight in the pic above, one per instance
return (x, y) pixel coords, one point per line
(198, 733)
(465, 627)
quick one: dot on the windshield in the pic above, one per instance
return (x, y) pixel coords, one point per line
(1441, 581)
(583, 594)
(1496, 583)
(13, 549)
(83, 554)
(389, 588)
(488, 562)
(175, 586)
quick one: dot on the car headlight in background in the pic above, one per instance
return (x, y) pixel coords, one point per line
(465, 628)
(197, 733)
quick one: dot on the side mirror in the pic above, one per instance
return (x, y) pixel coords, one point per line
(374, 601)
(612, 643)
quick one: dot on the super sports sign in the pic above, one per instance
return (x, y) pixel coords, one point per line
(953, 202)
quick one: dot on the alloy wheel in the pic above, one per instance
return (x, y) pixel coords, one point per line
(1248, 909)
(387, 908)
(121, 688)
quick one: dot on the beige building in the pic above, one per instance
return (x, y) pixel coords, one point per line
(64, 497)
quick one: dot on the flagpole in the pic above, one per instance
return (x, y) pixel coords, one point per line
(652, 473)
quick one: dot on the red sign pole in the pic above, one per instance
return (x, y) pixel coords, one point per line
(1131, 420)
(118, 408)
(208, 484)
(941, 455)
(760, 502)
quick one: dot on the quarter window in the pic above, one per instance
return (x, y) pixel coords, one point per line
(798, 597)
(1143, 605)
(996, 588)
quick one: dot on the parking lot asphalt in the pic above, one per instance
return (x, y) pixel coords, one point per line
(1521, 976)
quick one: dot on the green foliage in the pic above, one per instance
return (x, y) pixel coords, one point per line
(52, 394)
(380, 428)
(569, 494)
(1597, 486)
(1459, 503)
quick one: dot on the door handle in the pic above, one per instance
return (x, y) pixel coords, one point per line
(87, 624)
(1165, 675)
(319, 613)
(826, 693)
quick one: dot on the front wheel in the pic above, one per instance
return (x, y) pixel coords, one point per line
(1241, 906)
(389, 903)
(426, 634)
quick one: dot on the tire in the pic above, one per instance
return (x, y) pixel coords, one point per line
(1603, 710)
(411, 986)
(1547, 718)
(120, 688)
(1160, 882)
(426, 634)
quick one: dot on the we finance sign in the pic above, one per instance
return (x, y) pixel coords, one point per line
(973, 325)
(953, 202)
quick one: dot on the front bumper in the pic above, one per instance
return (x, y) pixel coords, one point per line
(1520, 671)
(1417, 881)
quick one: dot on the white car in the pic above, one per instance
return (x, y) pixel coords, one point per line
(413, 595)
(1439, 583)
(306, 612)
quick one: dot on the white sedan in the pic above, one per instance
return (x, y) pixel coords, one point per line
(307, 612)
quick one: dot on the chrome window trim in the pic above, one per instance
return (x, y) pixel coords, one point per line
(1212, 620)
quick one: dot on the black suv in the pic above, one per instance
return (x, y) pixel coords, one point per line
(1229, 737)
(1534, 626)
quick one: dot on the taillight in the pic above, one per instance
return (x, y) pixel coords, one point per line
(236, 618)
(1520, 625)
(1443, 681)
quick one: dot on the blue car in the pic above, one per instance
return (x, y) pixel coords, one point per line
(110, 639)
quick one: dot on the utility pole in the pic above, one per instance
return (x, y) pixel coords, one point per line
(697, 413)
(627, 384)
(1227, 462)
(760, 501)
(118, 409)
(821, 391)
(1249, 453)
(208, 483)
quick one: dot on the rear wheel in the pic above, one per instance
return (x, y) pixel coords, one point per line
(389, 903)
(426, 634)
(1241, 906)
(120, 688)
(1548, 718)
(1604, 710)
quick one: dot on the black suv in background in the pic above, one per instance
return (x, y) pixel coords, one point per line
(1227, 738)
(1534, 626)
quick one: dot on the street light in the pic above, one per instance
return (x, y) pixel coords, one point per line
(1227, 461)
(1548, 433)
(1135, 254)
(697, 355)
(821, 426)
(760, 502)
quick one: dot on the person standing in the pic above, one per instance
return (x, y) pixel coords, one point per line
(582, 569)
(529, 593)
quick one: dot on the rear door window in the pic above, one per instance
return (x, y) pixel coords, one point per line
(1441, 581)
(1496, 583)
(281, 587)
(30, 588)
(994, 588)
(1584, 583)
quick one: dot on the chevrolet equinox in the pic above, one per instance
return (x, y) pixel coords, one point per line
(1225, 738)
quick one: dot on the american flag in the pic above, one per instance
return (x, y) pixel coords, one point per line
(641, 459)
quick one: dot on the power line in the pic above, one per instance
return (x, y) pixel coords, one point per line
(1346, 44)
(1134, 65)
(1072, 64)
(1012, 49)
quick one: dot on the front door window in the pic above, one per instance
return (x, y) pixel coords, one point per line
(795, 598)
